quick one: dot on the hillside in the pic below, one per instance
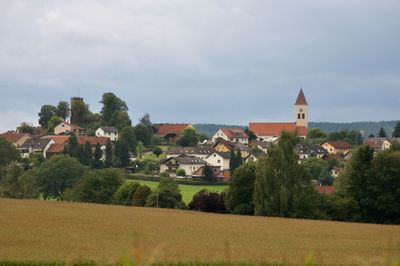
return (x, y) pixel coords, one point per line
(367, 127)
(40, 230)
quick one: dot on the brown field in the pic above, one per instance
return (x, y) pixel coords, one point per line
(40, 230)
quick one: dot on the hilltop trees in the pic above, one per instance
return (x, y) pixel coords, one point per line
(189, 138)
(382, 133)
(45, 114)
(396, 132)
(63, 110)
(144, 130)
(111, 105)
(315, 133)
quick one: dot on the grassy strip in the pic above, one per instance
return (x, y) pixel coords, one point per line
(181, 182)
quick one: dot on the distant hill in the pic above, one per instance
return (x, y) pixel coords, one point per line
(366, 127)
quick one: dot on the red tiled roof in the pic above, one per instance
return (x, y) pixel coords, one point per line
(276, 129)
(56, 148)
(234, 133)
(301, 99)
(164, 129)
(13, 137)
(325, 189)
(339, 144)
(93, 140)
(72, 125)
(58, 139)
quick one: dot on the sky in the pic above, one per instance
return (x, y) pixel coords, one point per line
(208, 61)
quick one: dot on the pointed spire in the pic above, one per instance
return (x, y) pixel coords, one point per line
(301, 99)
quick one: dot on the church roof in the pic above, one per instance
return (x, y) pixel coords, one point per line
(276, 129)
(301, 99)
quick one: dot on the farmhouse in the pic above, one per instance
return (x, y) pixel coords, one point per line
(378, 144)
(337, 146)
(58, 146)
(235, 135)
(188, 163)
(17, 139)
(108, 132)
(170, 131)
(66, 128)
(222, 145)
(35, 146)
(268, 130)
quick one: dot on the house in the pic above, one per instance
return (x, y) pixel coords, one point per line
(102, 141)
(336, 146)
(270, 130)
(66, 128)
(221, 160)
(216, 172)
(35, 146)
(335, 171)
(306, 151)
(222, 145)
(169, 131)
(260, 145)
(17, 139)
(201, 151)
(108, 132)
(59, 144)
(188, 163)
(235, 135)
(378, 144)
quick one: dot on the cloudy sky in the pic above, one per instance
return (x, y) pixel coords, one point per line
(218, 61)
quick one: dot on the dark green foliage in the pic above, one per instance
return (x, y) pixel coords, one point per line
(53, 122)
(180, 172)
(239, 199)
(318, 169)
(124, 195)
(97, 163)
(250, 134)
(151, 168)
(87, 156)
(308, 204)
(144, 130)
(208, 174)
(57, 174)
(207, 201)
(127, 134)
(157, 151)
(352, 137)
(278, 178)
(97, 186)
(121, 153)
(382, 133)
(63, 110)
(342, 208)
(111, 105)
(8, 152)
(325, 177)
(16, 184)
(72, 147)
(167, 195)
(45, 114)
(396, 132)
(236, 161)
(141, 195)
(120, 120)
(316, 133)
(81, 114)
(189, 138)
(108, 162)
(26, 128)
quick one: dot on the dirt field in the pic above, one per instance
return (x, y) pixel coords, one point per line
(40, 230)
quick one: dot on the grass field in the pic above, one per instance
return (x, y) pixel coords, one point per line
(45, 231)
(187, 191)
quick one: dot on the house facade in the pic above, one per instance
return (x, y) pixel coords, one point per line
(378, 144)
(337, 146)
(188, 163)
(66, 128)
(235, 135)
(108, 132)
(35, 146)
(307, 151)
(169, 131)
(17, 139)
(200, 151)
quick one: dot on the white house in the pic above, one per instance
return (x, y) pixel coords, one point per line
(220, 159)
(108, 132)
(66, 128)
(188, 163)
(235, 135)
(201, 151)
(35, 146)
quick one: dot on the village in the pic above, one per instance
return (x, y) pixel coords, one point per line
(214, 158)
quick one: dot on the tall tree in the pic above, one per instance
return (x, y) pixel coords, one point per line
(88, 155)
(314, 133)
(8, 152)
(53, 122)
(72, 146)
(98, 154)
(63, 110)
(235, 161)
(139, 149)
(167, 195)
(250, 133)
(382, 133)
(278, 178)
(189, 138)
(45, 114)
(120, 119)
(121, 153)
(111, 104)
(396, 132)
(144, 130)
(127, 134)
(108, 155)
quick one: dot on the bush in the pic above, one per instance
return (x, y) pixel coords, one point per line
(208, 201)
(167, 195)
(124, 195)
(164, 174)
(157, 151)
(180, 172)
(141, 195)
(151, 168)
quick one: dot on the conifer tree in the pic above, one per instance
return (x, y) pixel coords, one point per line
(396, 132)
(98, 153)
(108, 155)
(382, 133)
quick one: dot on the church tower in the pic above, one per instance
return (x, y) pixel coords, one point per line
(301, 110)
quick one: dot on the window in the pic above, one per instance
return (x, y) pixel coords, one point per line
(219, 161)
(298, 116)
(303, 116)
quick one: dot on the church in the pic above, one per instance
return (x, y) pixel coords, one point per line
(269, 130)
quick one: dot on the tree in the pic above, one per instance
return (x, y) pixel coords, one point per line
(17, 184)
(141, 195)
(57, 174)
(382, 133)
(278, 178)
(120, 119)
(108, 155)
(72, 146)
(26, 128)
(81, 114)
(63, 110)
(53, 122)
(124, 195)
(239, 198)
(180, 172)
(157, 151)
(121, 153)
(8, 152)
(144, 130)
(316, 133)
(189, 138)
(353, 137)
(207, 201)
(167, 195)
(235, 161)
(111, 104)
(98, 154)
(250, 133)
(139, 149)
(97, 186)
(396, 132)
(315, 167)
(127, 134)
(87, 154)
(209, 174)
(45, 114)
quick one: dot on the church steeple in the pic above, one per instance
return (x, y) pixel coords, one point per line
(301, 110)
